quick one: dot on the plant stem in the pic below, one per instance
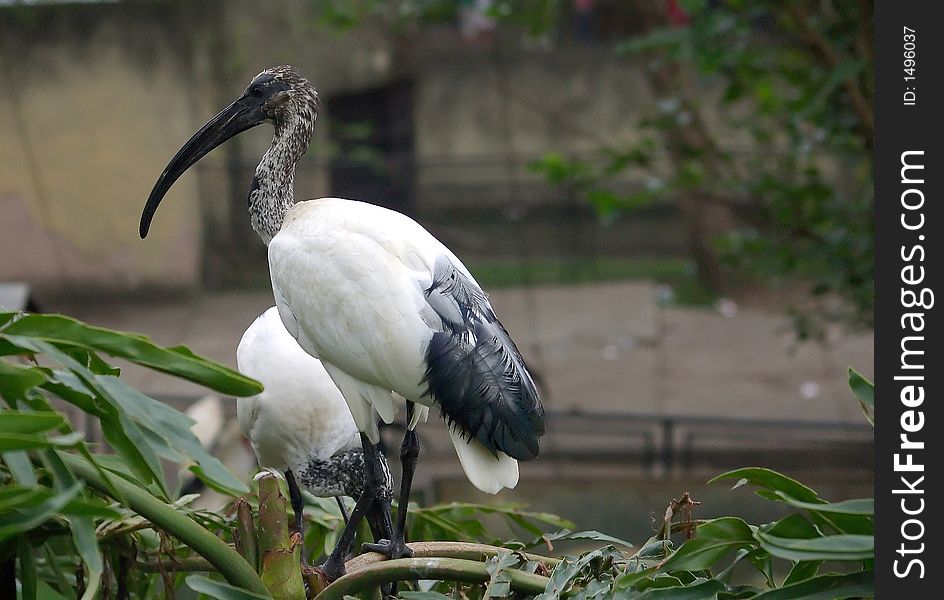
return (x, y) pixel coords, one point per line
(464, 550)
(446, 569)
(224, 559)
(191, 564)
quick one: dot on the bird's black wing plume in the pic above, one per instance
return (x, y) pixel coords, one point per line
(474, 371)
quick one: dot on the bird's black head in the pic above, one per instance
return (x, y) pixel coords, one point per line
(279, 95)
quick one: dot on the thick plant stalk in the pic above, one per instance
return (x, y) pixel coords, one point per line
(279, 554)
(224, 559)
(245, 534)
(446, 569)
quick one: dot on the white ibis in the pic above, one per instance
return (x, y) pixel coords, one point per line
(382, 303)
(300, 422)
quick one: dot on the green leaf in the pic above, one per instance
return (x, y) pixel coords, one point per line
(18, 461)
(861, 506)
(16, 380)
(826, 587)
(705, 590)
(499, 584)
(584, 535)
(697, 554)
(792, 526)
(632, 579)
(831, 547)
(169, 433)
(83, 387)
(82, 527)
(801, 571)
(15, 497)
(17, 441)
(46, 592)
(770, 480)
(430, 595)
(658, 581)
(220, 590)
(562, 578)
(27, 576)
(22, 519)
(13, 421)
(726, 529)
(864, 391)
(61, 330)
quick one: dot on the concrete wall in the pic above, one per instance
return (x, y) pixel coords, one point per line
(93, 103)
(95, 99)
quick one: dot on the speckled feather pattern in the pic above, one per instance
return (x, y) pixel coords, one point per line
(340, 475)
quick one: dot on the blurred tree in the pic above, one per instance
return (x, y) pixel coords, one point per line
(797, 87)
(778, 188)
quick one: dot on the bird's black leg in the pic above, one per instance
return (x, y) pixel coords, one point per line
(342, 509)
(298, 503)
(333, 567)
(375, 478)
(409, 452)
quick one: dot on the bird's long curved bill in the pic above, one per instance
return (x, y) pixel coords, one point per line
(231, 121)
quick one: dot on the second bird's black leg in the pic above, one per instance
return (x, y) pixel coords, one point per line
(298, 503)
(342, 509)
(409, 452)
(375, 480)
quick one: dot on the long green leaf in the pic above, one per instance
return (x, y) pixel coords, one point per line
(15, 497)
(18, 461)
(169, 433)
(726, 529)
(862, 506)
(864, 391)
(801, 571)
(705, 590)
(16, 380)
(18, 521)
(14, 421)
(770, 480)
(19, 441)
(82, 527)
(179, 361)
(830, 547)
(219, 590)
(122, 435)
(582, 535)
(698, 554)
(826, 587)
(27, 569)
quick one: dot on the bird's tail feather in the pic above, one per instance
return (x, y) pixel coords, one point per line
(486, 471)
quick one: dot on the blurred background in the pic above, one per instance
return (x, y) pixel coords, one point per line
(669, 201)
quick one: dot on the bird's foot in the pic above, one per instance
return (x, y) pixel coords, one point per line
(395, 548)
(332, 568)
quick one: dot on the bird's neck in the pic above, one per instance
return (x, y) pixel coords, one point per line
(273, 188)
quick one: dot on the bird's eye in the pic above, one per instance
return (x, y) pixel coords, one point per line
(256, 90)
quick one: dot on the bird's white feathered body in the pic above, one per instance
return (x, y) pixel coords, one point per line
(352, 284)
(301, 416)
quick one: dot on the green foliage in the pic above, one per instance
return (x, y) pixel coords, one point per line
(78, 522)
(797, 90)
(69, 535)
